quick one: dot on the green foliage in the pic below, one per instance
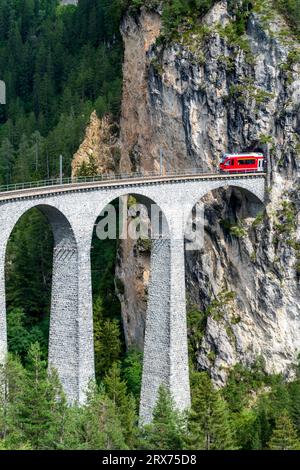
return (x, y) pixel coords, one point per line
(196, 323)
(132, 372)
(144, 245)
(217, 307)
(58, 64)
(241, 383)
(285, 224)
(94, 426)
(286, 218)
(209, 425)
(108, 334)
(103, 259)
(247, 429)
(175, 13)
(245, 91)
(294, 403)
(256, 400)
(28, 283)
(284, 436)
(34, 413)
(88, 169)
(107, 344)
(167, 428)
(116, 390)
(30, 251)
(235, 30)
(291, 10)
(235, 229)
(37, 405)
(265, 139)
(253, 411)
(293, 58)
(238, 231)
(258, 220)
(22, 332)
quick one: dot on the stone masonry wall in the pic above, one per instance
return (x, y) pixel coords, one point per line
(72, 215)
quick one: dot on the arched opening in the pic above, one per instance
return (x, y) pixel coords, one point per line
(42, 292)
(122, 244)
(28, 274)
(221, 284)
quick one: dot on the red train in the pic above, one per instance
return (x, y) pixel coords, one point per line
(242, 163)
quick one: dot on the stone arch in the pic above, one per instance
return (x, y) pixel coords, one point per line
(143, 196)
(249, 190)
(156, 364)
(255, 198)
(205, 279)
(13, 211)
(64, 343)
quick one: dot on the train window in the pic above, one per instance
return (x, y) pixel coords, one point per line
(246, 162)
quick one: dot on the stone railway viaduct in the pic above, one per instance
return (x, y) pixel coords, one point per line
(72, 211)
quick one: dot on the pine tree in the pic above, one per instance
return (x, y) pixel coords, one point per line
(221, 434)
(39, 405)
(24, 160)
(11, 379)
(125, 404)
(167, 428)
(247, 429)
(82, 170)
(107, 344)
(132, 372)
(294, 393)
(18, 335)
(209, 421)
(284, 436)
(94, 426)
(7, 155)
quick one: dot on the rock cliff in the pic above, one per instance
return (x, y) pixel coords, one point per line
(214, 89)
(99, 151)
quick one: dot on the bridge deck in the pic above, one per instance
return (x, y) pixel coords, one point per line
(57, 187)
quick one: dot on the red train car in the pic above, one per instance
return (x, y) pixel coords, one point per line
(242, 163)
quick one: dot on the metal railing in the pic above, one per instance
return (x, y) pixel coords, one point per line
(110, 177)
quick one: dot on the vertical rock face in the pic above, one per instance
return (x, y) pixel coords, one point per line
(136, 140)
(137, 132)
(204, 95)
(208, 93)
(132, 280)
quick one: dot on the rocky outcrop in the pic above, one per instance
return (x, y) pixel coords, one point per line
(132, 281)
(211, 91)
(99, 151)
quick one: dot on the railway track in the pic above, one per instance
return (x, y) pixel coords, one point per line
(55, 186)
